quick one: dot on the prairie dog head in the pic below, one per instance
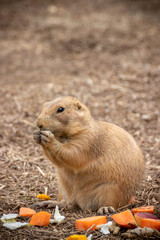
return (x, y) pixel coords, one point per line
(64, 116)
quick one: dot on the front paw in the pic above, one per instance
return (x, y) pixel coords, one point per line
(46, 137)
(37, 136)
(106, 210)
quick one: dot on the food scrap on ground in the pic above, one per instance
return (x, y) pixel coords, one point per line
(26, 212)
(148, 223)
(77, 237)
(10, 222)
(14, 225)
(40, 219)
(86, 223)
(151, 223)
(6, 217)
(58, 218)
(124, 219)
(104, 228)
(43, 197)
(141, 215)
(148, 209)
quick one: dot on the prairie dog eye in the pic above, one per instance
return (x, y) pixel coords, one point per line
(59, 110)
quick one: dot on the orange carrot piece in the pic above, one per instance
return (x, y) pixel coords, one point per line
(85, 223)
(40, 219)
(150, 223)
(125, 219)
(139, 216)
(148, 209)
(26, 212)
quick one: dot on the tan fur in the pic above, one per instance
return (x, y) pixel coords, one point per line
(97, 163)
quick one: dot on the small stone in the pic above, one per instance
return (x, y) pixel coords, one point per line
(149, 178)
(116, 231)
(146, 117)
(112, 227)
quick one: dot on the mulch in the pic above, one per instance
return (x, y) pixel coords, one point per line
(106, 53)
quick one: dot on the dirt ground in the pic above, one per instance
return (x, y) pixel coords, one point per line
(107, 54)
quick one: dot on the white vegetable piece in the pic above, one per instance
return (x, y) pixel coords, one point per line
(58, 218)
(90, 237)
(104, 227)
(14, 225)
(9, 216)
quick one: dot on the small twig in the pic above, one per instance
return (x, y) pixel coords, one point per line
(17, 206)
(45, 190)
(126, 206)
(108, 98)
(155, 167)
(17, 104)
(156, 232)
(89, 229)
(27, 123)
(40, 170)
(2, 187)
(44, 231)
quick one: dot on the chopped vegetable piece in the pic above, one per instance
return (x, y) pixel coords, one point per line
(148, 209)
(26, 212)
(43, 196)
(40, 219)
(151, 223)
(86, 223)
(104, 228)
(139, 216)
(14, 225)
(57, 216)
(9, 216)
(90, 237)
(125, 219)
(77, 237)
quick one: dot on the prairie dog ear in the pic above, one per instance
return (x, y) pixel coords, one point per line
(79, 106)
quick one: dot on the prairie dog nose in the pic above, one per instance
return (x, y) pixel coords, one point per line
(39, 123)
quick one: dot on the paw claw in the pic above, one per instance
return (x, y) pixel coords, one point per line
(46, 137)
(37, 136)
(106, 210)
(47, 134)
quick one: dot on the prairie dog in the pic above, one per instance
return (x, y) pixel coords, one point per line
(98, 164)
